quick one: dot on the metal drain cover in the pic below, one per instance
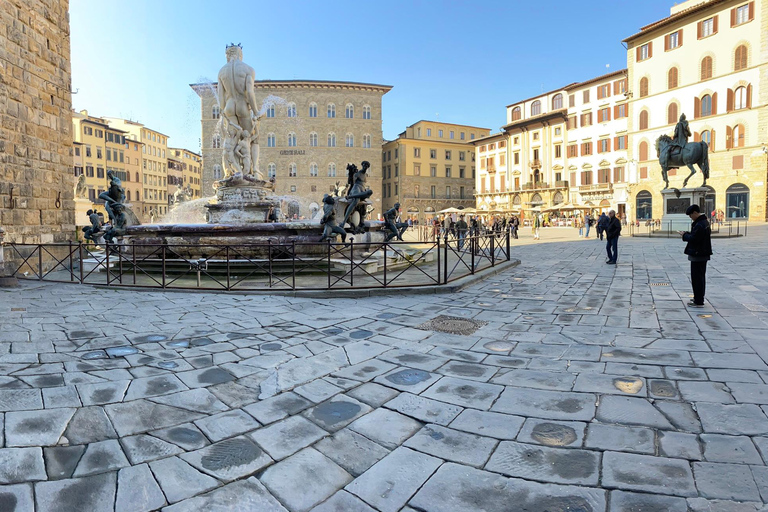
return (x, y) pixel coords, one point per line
(452, 325)
(659, 284)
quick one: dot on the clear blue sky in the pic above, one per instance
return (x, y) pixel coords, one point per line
(462, 60)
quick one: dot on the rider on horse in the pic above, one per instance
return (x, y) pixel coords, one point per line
(682, 132)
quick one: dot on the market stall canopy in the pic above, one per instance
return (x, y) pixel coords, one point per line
(567, 206)
(451, 210)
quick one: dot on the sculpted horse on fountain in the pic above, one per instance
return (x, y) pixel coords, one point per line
(676, 152)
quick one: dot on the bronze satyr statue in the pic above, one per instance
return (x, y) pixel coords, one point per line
(355, 193)
(119, 223)
(675, 152)
(330, 228)
(114, 195)
(396, 229)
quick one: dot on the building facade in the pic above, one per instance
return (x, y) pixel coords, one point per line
(709, 61)
(90, 138)
(134, 187)
(430, 167)
(596, 150)
(310, 132)
(192, 168)
(154, 166)
(36, 183)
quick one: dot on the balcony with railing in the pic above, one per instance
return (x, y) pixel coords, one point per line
(535, 185)
(597, 187)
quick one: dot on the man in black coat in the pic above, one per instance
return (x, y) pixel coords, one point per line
(612, 233)
(698, 249)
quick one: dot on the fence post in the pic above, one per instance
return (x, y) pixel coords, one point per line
(80, 250)
(163, 267)
(509, 250)
(493, 249)
(106, 261)
(385, 264)
(293, 261)
(269, 259)
(229, 287)
(438, 259)
(40, 261)
(71, 263)
(329, 265)
(445, 265)
(351, 261)
(472, 242)
(133, 260)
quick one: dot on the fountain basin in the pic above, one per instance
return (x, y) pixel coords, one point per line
(278, 240)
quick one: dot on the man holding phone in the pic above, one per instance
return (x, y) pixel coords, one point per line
(698, 249)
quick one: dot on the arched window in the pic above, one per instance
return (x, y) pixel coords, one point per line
(313, 170)
(137, 178)
(313, 109)
(270, 140)
(332, 170)
(217, 172)
(313, 139)
(536, 108)
(291, 110)
(366, 141)
(216, 141)
(271, 110)
(557, 102)
(740, 98)
(644, 205)
(516, 113)
(706, 68)
(644, 120)
(331, 140)
(215, 113)
(331, 110)
(672, 78)
(271, 170)
(292, 170)
(706, 105)
(740, 58)
(644, 86)
(737, 201)
(366, 112)
(737, 136)
(706, 136)
(642, 151)
(128, 195)
(672, 113)
(557, 198)
(291, 140)
(349, 140)
(349, 111)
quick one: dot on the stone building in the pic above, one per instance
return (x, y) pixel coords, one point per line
(133, 186)
(597, 142)
(311, 131)
(430, 167)
(708, 60)
(154, 166)
(36, 182)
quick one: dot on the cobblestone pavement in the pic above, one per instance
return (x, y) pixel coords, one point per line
(562, 384)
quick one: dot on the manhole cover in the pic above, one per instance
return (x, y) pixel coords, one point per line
(659, 284)
(452, 325)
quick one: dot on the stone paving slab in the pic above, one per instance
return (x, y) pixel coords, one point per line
(586, 389)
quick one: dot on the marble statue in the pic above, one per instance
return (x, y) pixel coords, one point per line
(330, 228)
(676, 152)
(239, 113)
(114, 195)
(396, 229)
(81, 190)
(182, 194)
(356, 193)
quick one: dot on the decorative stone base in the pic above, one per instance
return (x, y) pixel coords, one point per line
(676, 201)
(247, 203)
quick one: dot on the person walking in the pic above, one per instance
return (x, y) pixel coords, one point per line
(461, 230)
(601, 223)
(536, 226)
(612, 233)
(587, 224)
(698, 249)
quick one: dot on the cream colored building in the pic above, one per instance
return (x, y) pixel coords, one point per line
(154, 166)
(708, 60)
(134, 186)
(311, 131)
(90, 147)
(192, 169)
(430, 167)
(596, 148)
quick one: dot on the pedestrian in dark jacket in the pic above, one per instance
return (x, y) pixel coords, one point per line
(601, 223)
(698, 249)
(612, 233)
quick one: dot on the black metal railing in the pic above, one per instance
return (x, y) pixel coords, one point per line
(269, 266)
(657, 228)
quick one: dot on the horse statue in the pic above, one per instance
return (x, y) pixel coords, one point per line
(672, 158)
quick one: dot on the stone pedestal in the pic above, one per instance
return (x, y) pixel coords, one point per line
(674, 218)
(82, 205)
(239, 201)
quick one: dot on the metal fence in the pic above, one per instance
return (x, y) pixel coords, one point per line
(659, 229)
(271, 266)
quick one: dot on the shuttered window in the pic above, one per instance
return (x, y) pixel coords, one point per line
(672, 78)
(706, 68)
(644, 120)
(740, 58)
(643, 87)
(672, 113)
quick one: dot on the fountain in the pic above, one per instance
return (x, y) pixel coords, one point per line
(237, 217)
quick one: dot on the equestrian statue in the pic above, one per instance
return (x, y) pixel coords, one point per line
(676, 152)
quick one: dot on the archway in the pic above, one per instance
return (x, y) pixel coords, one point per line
(737, 201)
(644, 205)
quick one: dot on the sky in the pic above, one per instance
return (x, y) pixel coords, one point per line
(452, 61)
